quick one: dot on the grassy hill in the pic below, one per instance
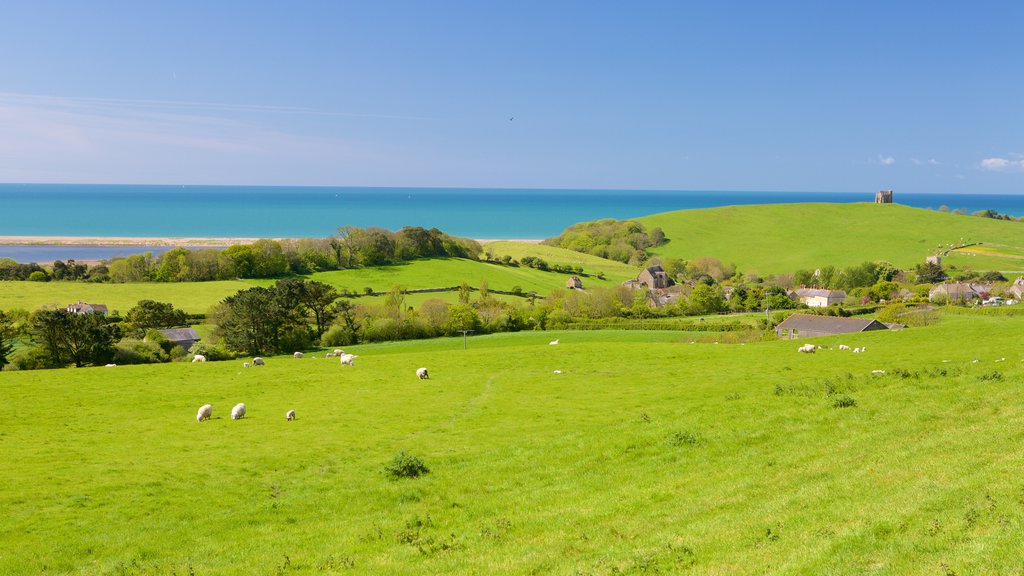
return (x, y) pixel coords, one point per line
(553, 255)
(782, 238)
(197, 297)
(645, 455)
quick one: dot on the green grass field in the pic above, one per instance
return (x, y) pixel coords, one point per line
(553, 255)
(197, 297)
(193, 297)
(647, 454)
(783, 238)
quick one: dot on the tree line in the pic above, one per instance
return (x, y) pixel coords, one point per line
(350, 247)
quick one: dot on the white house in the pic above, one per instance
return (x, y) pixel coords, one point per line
(817, 298)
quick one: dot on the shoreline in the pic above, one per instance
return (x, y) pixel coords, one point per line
(168, 241)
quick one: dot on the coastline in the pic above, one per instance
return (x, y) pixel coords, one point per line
(168, 241)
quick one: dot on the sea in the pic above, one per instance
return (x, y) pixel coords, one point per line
(150, 211)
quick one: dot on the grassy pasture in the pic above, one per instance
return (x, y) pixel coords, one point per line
(787, 237)
(987, 257)
(194, 297)
(553, 255)
(646, 455)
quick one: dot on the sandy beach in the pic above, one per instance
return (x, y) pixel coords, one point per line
(145, 241)
(119, 241)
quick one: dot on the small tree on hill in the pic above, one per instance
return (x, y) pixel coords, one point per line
(6, 334)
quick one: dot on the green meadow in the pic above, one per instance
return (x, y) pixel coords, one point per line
(592, 265)
(647, 454)
(194, 297)
(781, 238)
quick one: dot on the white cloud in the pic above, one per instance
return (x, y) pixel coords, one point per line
(886, 160)
(1014, 164)
(928, 162)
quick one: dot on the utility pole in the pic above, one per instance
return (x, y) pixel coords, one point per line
(464, 337)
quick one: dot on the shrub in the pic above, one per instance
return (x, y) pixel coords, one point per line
(37, 276)
(843, 401)
(338, 336)
(685, 438)
(405, 465)
(212, 353)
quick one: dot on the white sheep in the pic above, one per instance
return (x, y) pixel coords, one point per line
(856, 350)
(844, 347)
(199, 358)
(1001, 360)
(297, 355)
(246, 365)
(421, 373)
(205, 411)
(553, 342)
(338, 352)
(878, 371)
(238, 412)
(557, 371)
(806, 348)
(257, 361)
(348, 359)
(111, 365)
(289, 415)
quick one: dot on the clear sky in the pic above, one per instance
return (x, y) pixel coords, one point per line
(919, 96)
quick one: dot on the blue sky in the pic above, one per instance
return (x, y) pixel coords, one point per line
(787, 96)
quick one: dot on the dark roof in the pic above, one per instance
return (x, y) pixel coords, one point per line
(830, 324)
(179, 334)
(655, 269)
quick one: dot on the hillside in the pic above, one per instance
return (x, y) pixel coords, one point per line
(674, 457)
(553, 255)
(197, 297)
(782, 238)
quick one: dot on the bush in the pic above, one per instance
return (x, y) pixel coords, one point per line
(212, 353)
(37, 276)
(338, 336)
(843, 401)
(405, 465)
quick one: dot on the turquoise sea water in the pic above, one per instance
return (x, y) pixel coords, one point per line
(271, 212)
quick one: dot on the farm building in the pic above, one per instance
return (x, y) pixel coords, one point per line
(960, 291)
(1017, 288)
(654, 277)
(184, 337)
(86, 308)
(574, 283)
(809, 326)
(817, 298)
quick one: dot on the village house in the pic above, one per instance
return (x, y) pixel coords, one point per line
(86, 308)
(1017, 288)
(574, 283)
(810, 326)
(184, 337)
(654, 277)
(817, 298)
(960, 291)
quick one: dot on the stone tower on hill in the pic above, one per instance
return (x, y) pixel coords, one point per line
(883, 197)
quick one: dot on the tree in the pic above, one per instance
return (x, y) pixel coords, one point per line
(930, 272)
(153, 314)
(6, 335)
(345, 311)
(67, 338)
(464, 291)
(255, 320)
(706, 299)
(318, 299)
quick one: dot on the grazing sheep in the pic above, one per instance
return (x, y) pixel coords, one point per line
(421, 373)
(806, 348)
(856, 350)
(558, 372)
(297, 355)
(111, 365)
(878, 371)
(199, 358)
(844, 347)
(246, 365)
(338, 352)
(975, 361)
(348, 359)
(257, 361)
(238, 412)
(205, 411)
(290, 415)
(1001, 360)
(553, 342)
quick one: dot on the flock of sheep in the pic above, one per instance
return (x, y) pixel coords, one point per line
(238, 412)
(811, 349)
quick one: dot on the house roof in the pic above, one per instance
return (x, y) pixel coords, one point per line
(812, 292)
(81, 306)
(960, 289)
(830, 324)
(179, 334)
